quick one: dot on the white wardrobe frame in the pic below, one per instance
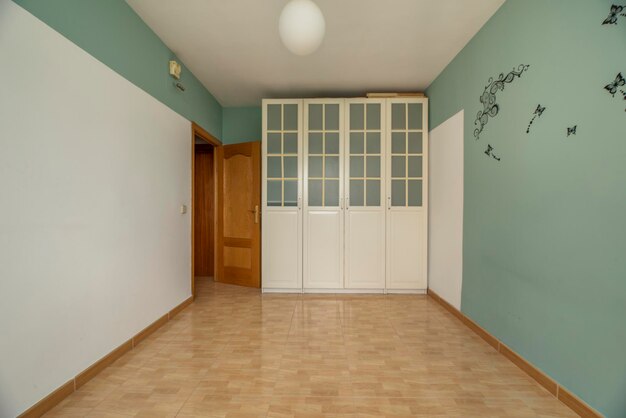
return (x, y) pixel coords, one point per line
(399, 220)
(321, 272)
(402, 225)
(278, 223)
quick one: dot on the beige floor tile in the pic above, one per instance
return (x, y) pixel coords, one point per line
(238, 353)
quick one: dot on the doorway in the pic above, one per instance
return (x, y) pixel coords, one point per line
(204, 205)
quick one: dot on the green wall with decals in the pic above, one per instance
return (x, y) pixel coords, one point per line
(544, 246)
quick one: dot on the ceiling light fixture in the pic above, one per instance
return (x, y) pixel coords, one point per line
(301, 26)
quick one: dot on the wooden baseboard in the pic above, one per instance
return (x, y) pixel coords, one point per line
(53, 399)
(569, 399)
(91, 371)
(50, 401)
(145, 333)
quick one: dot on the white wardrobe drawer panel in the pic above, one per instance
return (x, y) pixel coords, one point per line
(323, 250)
(281, 250)
(406, 238)
(365, 249)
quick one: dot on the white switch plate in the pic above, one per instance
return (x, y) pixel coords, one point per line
(183, 209)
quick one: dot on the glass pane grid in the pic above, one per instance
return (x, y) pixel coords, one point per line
(365, 188)
(282, 190)
(317, 183)
(406, 189)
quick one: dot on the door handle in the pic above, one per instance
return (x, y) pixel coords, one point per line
(389, 202)
(256, 213)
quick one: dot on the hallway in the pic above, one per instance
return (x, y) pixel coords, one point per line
(235, 352)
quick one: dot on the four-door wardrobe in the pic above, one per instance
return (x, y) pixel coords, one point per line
(345, 188)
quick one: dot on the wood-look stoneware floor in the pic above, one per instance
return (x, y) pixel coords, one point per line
(238, 353)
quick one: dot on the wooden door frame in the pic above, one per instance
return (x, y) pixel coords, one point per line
(198, 131)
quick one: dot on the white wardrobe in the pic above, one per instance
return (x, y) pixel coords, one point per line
(345, 187)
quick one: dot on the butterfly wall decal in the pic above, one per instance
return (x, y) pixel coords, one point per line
(489, 152)
(616, 11)
(538, 112)
(615, 85)
(572, 130)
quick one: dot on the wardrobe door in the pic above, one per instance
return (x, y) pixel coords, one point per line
(365, 194)
(282, 195)
(323, 194)
(407, 192)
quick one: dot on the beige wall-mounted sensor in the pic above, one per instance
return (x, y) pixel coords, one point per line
(175, 69)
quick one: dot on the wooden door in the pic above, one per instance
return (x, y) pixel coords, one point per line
(203, 211)
(239, 214)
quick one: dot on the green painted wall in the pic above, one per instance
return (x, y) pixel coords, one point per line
(241, 124)
(114, 34)
(545, 228)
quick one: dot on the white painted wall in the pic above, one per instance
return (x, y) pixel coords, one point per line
(445, 247)
(93, 247)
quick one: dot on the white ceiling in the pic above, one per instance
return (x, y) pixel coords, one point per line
(234, 49)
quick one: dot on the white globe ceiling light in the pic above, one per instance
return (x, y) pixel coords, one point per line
(301, 26)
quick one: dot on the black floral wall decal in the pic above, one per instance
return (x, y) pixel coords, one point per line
(537, 114)
(489, 152)
(616, 11)
(572, 130)
(488, 98)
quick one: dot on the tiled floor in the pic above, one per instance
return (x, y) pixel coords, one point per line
(237, 353)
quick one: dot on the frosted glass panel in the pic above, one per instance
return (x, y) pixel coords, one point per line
(315, 192)
(398, 166)
(398, 116)
(274, 118)
(415, 142)
(273, 144)
(290, 143)
(357, 143)
(373, 142)
(398, 143)
(290, 166)
(332, 117)
(415, 192)
(316, 117)
(415, 166)
(332, 167)
(291, 192)
(332, 143)
(331, 193)
(315, 166)
(356, 192)
(356, 116)
(415, 116)
(373, 116)
(315, 143)
(291, 117)
(274, 193)
(373, 193)
(373, 166)
(274, 167)
(356, 167)
(398, 193)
